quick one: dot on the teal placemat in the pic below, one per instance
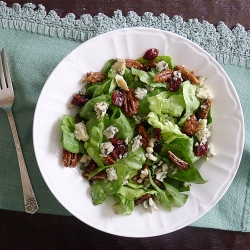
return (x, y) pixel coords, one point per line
(37, 41)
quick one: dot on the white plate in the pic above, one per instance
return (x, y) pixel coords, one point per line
(68, 186)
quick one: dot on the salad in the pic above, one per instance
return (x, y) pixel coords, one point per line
(139, 129)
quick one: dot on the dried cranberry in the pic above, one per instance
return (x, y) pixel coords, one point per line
(117, 98)
(117, 151)
(200, 149)
(151, 54)
(91, 166)
(79, 100)
(174, 85)
(116, 141)
(157, 132)
(157, 148)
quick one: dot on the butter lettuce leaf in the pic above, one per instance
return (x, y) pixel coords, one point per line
(68, 139)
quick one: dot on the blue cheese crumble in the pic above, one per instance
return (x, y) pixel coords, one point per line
(140, 93)
(111, 174)
(100, 109)
(210, 153)
(80, 132)
(106, 148)
(119, 66)
(136, 142)
(204, 93)
(110, 132)
(150, 205)
(162, 65)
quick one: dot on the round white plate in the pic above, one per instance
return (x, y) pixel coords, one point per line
(67, 184)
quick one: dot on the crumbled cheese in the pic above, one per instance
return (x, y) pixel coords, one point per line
(139, 118)
(151, 142)
(143, 173)
(177, 75)
(110, 132)
(150, 205)
(140, 93)
(201, 79)
(121, 82)
(210, 153)
(149, 150)
(85, 159)
(106, 148)
(175, 171)
(154, 166)
(162, 65)
(81, 131)
(100, 109)
(204, 93)
(164, 167)
(160, 175)
(111, 174)
(202, 135)
(186, 184)
(203, 123)
(119, 66)
(151, 157)
(136, 142)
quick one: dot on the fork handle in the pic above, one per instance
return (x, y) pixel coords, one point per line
(30, 202)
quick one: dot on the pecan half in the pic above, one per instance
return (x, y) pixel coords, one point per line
(159, 184)
(69, 159)
(130, 103)
(133, 64)
(108, 160)
(93, 77)
(164, 76)
(145, 135)
(148, 66)
(177, 161)
(191, 125)
(142, 199)
(187, 74)
(204, 109)
(100, 176)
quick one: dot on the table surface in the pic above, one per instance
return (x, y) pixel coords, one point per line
(39, 231)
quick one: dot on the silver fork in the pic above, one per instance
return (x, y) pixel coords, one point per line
(6, 101)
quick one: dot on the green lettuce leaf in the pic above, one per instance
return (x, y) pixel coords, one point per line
(191, 101)
(87, 111)
(169, 130)
(68, 139)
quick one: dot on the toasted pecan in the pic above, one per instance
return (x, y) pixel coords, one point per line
(69, 159)
(187, 74)
(93, 77)
(142, 199)
(191, 125)
(177, 161)
(130, 103)
(133, 64)
(204, 109)
(164, 76)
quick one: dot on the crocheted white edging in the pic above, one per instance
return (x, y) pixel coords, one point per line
(227, 46)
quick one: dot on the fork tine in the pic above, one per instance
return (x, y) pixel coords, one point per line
(7, 71)
(2, 82)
